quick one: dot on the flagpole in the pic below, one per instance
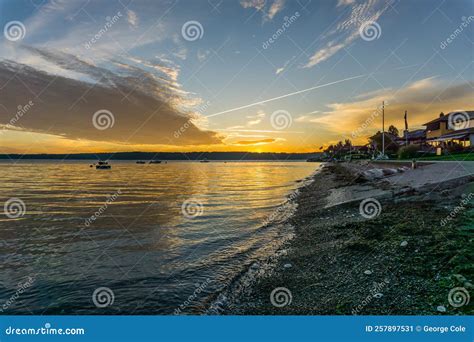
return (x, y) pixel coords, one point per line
(406, 128)
(383, 127)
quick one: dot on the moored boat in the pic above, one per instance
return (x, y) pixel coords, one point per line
(103, 165)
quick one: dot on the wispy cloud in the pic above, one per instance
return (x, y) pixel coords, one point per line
(280, 70)
(132, 18)
(255, 119)
(256, 142)
(422, 99)
(346, 31)
(268, 8)
(345, 2)
(275, 8)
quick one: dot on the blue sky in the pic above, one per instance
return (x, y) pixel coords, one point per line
(231, 64)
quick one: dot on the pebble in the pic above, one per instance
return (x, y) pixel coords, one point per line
(441, 308)
(287, 265)
(404, 243)
(378, 295)
(368, 272)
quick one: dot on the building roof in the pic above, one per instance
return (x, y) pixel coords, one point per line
(444, 117)
(414, 135)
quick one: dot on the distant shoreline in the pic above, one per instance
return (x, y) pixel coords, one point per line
(192, 156)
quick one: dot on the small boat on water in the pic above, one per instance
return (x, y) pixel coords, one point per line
(103, 165)
(140, 162)
(155, 162)
(205, 160)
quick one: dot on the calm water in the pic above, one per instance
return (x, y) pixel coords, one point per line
(141, 246)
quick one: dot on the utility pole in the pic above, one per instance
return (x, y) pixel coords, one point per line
(383, 128)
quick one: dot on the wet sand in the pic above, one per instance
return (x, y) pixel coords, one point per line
(404, 261)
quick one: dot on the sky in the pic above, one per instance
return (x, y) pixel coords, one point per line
(226, 75)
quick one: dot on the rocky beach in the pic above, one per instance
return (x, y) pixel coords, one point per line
(374, 239)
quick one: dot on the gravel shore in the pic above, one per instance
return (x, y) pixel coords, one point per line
(407, 252)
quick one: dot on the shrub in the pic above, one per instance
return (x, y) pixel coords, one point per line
(407, 152)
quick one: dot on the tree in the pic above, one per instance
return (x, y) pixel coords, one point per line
(393, 130)
(391, 145)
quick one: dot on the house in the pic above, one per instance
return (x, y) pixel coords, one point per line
(416, 137)
(452, 128)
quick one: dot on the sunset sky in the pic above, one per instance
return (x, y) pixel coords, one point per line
(232, 75)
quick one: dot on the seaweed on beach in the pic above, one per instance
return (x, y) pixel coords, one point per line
(405, 261)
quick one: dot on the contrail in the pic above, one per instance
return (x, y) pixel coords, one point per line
(286, 95)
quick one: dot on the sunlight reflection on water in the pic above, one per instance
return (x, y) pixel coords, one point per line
(140, 244)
